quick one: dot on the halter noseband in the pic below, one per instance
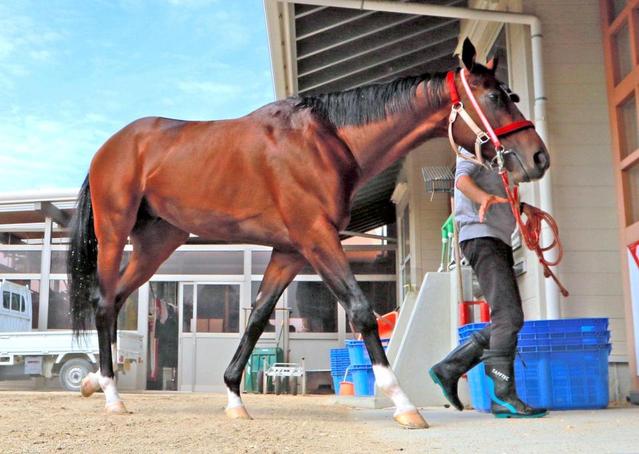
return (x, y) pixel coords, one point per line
(482, 135)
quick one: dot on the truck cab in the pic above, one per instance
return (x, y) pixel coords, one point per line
(16, 308)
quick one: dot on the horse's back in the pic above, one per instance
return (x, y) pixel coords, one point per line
(236, 180)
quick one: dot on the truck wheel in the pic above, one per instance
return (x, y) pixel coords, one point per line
(73, 371)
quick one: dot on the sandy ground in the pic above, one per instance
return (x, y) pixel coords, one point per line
(162, 422)
(50, 421)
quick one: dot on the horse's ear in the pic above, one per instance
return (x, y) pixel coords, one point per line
(492, 64)
(468, 54)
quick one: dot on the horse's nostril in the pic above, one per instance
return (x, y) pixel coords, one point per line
(541, 160)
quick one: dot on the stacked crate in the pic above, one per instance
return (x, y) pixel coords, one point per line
(560, 364)
(340, 363)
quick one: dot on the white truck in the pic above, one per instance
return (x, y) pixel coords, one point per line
(24, 352)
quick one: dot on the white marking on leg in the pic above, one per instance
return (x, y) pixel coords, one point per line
(114, 356)
(385, 378)
(110, 391)
(233, 399)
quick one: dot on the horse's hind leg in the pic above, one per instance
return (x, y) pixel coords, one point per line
(109, 256)
(280, 272)
(153, 242)
(322, 248)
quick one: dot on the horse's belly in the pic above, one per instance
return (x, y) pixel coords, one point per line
(238, 225)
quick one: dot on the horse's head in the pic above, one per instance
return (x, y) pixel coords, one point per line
(526, 156)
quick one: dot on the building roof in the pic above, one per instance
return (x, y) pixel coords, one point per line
(321, 49)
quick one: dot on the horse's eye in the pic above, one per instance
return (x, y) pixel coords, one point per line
(494, 97)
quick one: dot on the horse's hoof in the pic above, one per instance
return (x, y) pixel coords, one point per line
(411, 420)
(238, 412)
(87, 387)
(116, 408)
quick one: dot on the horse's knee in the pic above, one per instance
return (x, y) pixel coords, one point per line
(363, 318)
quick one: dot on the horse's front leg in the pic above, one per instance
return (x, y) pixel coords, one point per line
(322, 248)
(281, 270)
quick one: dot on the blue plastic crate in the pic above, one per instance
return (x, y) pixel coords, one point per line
(554, 377)
(567, 327)
(583, 325)
(340, 359)
(358, 354)
(363, 380)
(559, 339)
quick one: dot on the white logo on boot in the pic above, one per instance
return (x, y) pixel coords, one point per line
(501, 375)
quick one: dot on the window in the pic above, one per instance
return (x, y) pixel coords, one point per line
(313, 308)
(623, 53)
(628, 131)
(15, 302)
(404, 263)
(20, 261)
(217, 308)
(34, 289)
(6, 300)
(381, 295)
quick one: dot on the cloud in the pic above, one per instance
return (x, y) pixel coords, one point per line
(209, 88)
(66, 85)
(25, 41)
(192, 3)
(37, 152)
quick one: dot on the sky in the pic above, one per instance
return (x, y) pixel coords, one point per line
(72, 73)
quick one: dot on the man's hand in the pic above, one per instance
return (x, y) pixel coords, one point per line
(486, 203)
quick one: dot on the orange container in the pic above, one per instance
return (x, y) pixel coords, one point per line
(386, 324)
(346, 388)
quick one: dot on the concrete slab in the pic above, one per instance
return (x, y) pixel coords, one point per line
(602, 431)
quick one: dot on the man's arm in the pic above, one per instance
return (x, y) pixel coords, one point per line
(467, 186)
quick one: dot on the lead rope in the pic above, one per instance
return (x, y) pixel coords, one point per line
(531, 230)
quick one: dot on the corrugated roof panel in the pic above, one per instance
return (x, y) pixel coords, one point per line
(338, 49)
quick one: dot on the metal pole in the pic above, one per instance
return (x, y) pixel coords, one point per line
(45, 270)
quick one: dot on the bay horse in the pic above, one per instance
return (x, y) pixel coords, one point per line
(282, 176)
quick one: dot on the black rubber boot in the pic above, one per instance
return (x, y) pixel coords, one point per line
(448, 371)
(505, 403)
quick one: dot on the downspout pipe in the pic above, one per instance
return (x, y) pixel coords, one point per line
(551, 291)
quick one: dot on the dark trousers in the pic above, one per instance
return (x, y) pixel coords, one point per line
(492, 261)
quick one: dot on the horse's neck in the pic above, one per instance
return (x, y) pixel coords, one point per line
(377, 145)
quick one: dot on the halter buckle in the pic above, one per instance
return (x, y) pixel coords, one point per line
(482, 138)
(499, 156)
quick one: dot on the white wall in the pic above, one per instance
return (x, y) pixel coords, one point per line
(426, 215)
(581, 169)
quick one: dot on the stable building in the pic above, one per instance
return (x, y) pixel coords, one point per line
(575, 66)
(194, 310)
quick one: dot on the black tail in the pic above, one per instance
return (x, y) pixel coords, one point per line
(82, 262)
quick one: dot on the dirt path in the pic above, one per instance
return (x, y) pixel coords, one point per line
(50, 421)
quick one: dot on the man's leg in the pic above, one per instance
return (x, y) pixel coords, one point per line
(492, 261)
(464, 357)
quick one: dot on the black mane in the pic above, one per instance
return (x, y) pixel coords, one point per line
(369, 103)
